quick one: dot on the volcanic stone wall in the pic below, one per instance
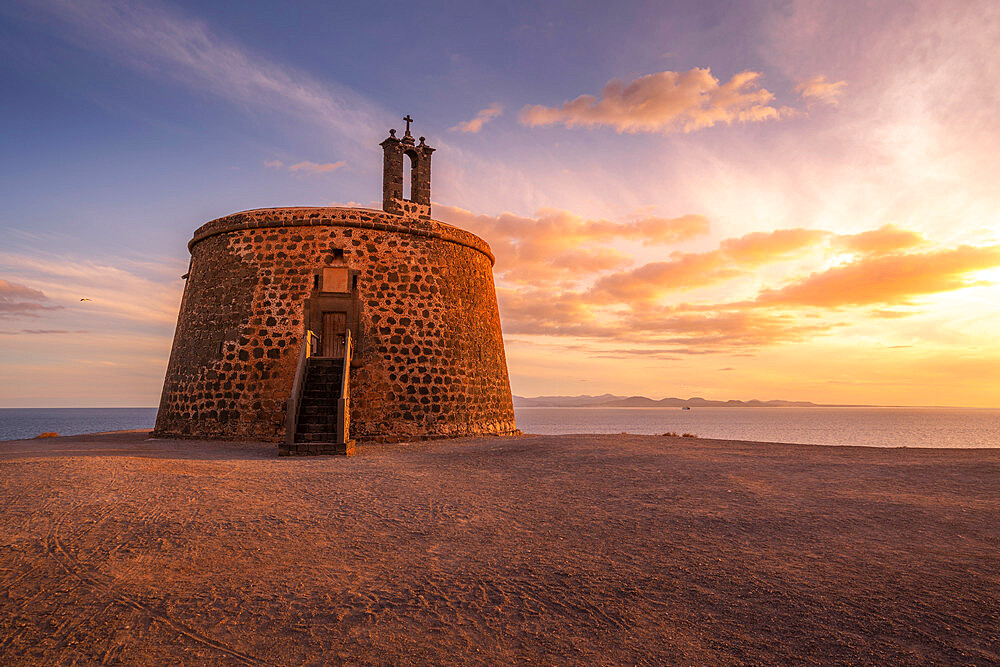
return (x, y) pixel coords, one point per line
(429, 356)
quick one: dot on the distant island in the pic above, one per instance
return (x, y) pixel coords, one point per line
(612, 401)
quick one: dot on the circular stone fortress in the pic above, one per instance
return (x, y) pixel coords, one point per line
(313, 327)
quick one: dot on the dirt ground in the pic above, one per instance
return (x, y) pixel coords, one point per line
(610, 549)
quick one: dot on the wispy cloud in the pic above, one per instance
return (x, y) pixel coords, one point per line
(144, 292)
(315, 168)
(306, 166)
(162, 41)
(42, 332)
(665, 102)
(818, 89)
(112, 348)
(18, 299)
(484, 116)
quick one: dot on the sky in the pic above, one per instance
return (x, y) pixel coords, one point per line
(733, 200)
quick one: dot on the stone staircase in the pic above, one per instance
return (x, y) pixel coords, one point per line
(316, 430)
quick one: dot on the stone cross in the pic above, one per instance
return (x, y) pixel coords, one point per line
(408, 121)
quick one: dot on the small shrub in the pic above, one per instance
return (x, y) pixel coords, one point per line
(689, 435)
(671, 434)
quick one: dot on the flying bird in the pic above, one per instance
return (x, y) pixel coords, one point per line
(84, 299)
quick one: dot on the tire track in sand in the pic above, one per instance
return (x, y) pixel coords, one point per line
(56, 550)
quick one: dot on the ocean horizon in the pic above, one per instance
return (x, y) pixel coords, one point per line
(22, 423)
(843, 426)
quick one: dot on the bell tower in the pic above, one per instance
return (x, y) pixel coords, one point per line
(394, 150)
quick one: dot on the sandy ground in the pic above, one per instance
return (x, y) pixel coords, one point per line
(544, 549)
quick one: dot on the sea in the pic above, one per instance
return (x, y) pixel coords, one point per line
(18, 423)
(866, 426)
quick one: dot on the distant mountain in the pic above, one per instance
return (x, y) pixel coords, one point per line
(563, 401)
(697, 402)
(612, 401)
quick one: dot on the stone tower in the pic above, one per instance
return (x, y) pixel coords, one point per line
(303, 325)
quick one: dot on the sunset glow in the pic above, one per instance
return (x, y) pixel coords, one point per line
(774, 201)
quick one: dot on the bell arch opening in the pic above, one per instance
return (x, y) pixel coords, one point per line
(410, 172)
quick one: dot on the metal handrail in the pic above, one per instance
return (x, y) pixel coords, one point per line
(309, 348)
(343, 402)
(312, 344)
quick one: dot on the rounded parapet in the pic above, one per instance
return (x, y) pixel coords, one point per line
(360, 218)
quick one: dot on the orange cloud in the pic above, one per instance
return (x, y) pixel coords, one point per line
(561, 276)
(665, 102)
(883, 240)
(890, 314)
(306, 166)
(670, 230)
(484, 116)
(724, 328)
(543, 311)
(689, 270)
(821, 90)
(18, 299)
(758, 248)
(889, 279)
(557, 245)
(315, 168)
(680, 329)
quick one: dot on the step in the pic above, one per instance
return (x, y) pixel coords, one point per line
(316, 426)
(326, 367)
(317, 412)
(335, 381)
(330, 377)
(326, 435)
(316, 448)
(321, 392)
(313, 410)
(326, 417)
(315, 430)
(317, 419)
(316, 437)
(322, 382)
(307, 411)
(319, 397)
(320, 400)
(317, 408)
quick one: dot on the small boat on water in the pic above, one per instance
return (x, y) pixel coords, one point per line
(686, 407)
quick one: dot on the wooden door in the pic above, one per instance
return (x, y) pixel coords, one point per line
(334, 332)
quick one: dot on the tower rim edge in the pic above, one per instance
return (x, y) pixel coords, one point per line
(320, 216)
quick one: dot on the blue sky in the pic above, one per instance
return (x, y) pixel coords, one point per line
(126, 125)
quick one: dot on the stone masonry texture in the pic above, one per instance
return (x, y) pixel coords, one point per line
(429, 355)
